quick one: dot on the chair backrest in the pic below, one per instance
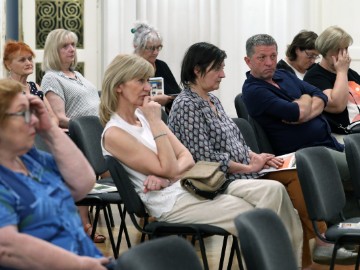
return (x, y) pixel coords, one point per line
(352, 151)
(86, 132)
(240, 107)
(164, 253)
(131, 199)
(261, 137)
(248, 133)
(264, 241)
(320, 183)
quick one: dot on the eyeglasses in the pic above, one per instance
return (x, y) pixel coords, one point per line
(311, 56)
(153, 48)
(26, 114)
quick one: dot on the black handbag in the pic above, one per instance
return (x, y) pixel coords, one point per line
(205, 179)
(354, 127)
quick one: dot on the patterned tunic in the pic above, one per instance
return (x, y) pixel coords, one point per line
(34, 91)
(208, 136)
(79, 95)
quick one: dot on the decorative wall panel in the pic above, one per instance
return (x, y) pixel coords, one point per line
(53, 14)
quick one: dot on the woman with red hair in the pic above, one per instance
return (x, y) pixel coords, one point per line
(18, 61)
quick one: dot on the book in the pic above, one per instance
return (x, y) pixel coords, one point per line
(349, 225)
(102, 188)
(157, 86)
(289, 164)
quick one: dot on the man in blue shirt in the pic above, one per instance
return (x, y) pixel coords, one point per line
(288, 109)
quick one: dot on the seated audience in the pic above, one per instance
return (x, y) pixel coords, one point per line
(288, 109)
(35, 232)
(155, 159)
(148, 44)
(18, 61)
(69, 93)
(300, 54)
(337, 81)
(199, 121)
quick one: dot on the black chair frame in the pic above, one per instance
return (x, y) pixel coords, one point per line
(136, 209)
(325, 197)
(86, 131)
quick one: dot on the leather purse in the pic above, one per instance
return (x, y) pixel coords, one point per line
(205, 179)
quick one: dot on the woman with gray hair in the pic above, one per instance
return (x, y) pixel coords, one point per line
(147, 44)
(300, 54)
(336, 79)
(69, 93)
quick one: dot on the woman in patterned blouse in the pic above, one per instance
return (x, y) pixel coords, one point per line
(199, 121)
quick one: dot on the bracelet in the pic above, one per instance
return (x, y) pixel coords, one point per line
(160, 135)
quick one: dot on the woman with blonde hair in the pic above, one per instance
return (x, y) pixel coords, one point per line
(155, 159)
(336, 79)
(68, 92)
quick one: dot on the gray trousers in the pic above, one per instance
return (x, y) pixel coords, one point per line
(241, 196)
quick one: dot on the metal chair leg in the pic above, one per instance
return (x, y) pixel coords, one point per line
(111, 237)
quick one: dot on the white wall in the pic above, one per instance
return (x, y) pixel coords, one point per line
(2, 34)
(227, 24)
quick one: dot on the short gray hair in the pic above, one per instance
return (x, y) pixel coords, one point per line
(332, 38)
(259, 40)
(143, 32)
(54, 41)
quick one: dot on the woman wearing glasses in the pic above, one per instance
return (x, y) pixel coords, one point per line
(40, 226)
(147, 44)
(300, 54)
(336, 79)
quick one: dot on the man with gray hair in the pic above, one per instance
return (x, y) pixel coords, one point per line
(290, 112)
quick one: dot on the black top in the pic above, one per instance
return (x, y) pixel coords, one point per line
(283, 65)
(170, 84)
(324, 79)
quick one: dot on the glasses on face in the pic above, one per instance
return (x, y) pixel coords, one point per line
(153, 48)
(311, 56)
(26, 114)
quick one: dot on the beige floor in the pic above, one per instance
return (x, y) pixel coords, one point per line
(213, 246)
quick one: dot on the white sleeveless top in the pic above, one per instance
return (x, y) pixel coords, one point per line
(156, 202)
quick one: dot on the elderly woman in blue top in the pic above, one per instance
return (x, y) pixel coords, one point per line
(39, 224)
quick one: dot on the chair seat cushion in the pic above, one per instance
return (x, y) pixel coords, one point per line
(335, 232)
(110, 197)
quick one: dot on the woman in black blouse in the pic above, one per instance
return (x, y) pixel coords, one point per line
(147, 44)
